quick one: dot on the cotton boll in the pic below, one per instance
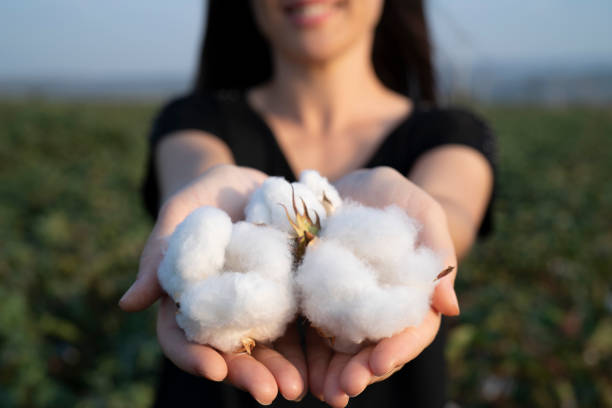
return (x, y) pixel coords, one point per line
(418, 267)
(363, 279)
(248, 296)
(330, 280)
(259, 248)
(267, 204)
(379, 237)
(226, 309)
(196, 250)
(323, 190)
(330, 271)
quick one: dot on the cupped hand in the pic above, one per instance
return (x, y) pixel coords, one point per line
(268, 370)
(334, 376)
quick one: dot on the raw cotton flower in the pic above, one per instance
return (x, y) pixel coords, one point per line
(268, 203)
(196, 250)
(232, 283)
(325, 193)
(365, 278)
(359, 272)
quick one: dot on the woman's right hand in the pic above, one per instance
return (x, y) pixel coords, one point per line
(267, 370)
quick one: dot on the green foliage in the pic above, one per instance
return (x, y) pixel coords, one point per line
(536, 297)
(535, 328)
(71, 229)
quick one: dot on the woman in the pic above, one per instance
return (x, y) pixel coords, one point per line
(340, 86)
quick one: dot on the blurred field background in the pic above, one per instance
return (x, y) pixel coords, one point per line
(79, 85)
(536, 322)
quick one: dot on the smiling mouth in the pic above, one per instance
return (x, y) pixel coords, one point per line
(310, 12)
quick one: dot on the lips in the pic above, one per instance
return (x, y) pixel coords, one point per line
(306, 13)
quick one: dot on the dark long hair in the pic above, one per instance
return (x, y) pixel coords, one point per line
(235, 55)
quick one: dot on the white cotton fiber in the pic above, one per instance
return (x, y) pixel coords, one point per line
(418, 266)
(233, 306)
(364, 279)
(261, 249)
(322, 189)
(381, 237)
(246, 291)
(362, 276)
(196, 249)
(267, 204)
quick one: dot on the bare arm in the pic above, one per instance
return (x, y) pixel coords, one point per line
(449, 191)
(184, 156)
(193, 168)
(461, 180)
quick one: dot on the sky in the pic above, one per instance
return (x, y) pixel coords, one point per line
(125, 38)
(523, 31)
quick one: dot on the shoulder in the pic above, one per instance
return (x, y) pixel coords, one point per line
(188, 102)
(191, 111)
(438, 127)
(434, 127)
(194, 111)
(452, 120)
(200, 102)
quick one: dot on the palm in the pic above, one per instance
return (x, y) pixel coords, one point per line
(282, 366)
(336, 376)
(269, 369)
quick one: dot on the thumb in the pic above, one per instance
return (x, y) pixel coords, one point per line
(444, 298)
(146, 288)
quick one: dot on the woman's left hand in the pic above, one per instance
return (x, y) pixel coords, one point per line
(334, 376)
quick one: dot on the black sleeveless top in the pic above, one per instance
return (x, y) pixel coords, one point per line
(228, 116)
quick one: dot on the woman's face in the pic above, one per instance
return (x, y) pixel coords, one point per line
(316, 30)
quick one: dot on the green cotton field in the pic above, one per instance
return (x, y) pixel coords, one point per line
(536, 297)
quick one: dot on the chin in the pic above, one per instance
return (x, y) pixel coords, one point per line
(317, 50)
(315, 30)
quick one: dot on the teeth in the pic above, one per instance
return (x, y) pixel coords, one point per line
(310, 10)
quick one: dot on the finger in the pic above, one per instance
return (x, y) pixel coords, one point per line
(397, 350)
(318, 355)
(252, 376)
(203, 191)
(146, 289)
(436, 236)
(286, 375)
(193, 358)
(444, 298)
(333, 393)
(356, 376)
(290, 347)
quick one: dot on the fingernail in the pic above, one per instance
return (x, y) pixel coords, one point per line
(301, 397)
(126, 294)
(456, 303)
(262, 403)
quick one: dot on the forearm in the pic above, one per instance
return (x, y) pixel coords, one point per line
(460, 180)
(186, 155)
(460, 225)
